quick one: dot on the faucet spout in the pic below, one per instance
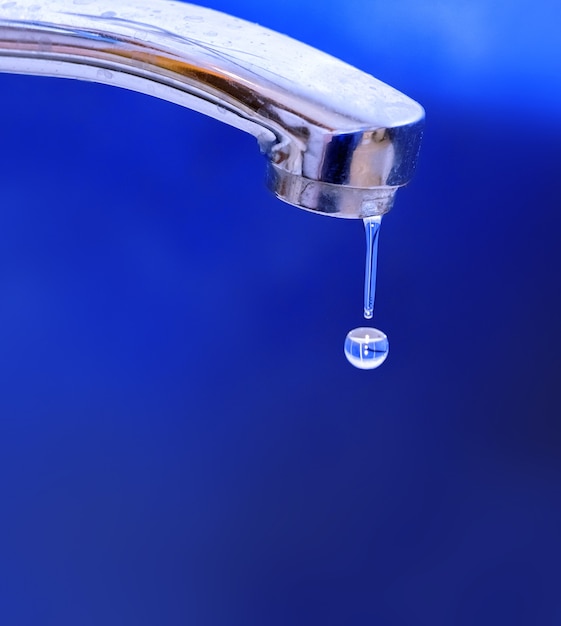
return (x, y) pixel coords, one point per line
(337, 141)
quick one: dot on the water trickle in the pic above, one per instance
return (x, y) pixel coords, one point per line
(372, 227)
(367, 348)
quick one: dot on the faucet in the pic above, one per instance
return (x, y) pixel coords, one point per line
(338, 141)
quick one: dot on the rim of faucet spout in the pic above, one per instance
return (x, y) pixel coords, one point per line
(327, 198)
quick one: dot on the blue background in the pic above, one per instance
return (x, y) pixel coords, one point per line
(181, 438)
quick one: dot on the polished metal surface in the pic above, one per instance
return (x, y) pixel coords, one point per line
(338, 141)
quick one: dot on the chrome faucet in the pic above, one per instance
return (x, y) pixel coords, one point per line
(337, 140)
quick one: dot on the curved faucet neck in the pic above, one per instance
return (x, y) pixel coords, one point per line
(338, 141)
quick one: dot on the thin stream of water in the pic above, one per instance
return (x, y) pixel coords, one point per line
(372, 228)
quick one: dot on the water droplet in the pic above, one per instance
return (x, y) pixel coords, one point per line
(366, 348)
(45, 43)
(104, 74)
(372, 227)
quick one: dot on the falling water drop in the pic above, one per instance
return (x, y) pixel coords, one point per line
(366, 348)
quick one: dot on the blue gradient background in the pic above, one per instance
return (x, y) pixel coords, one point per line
(181, 438)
